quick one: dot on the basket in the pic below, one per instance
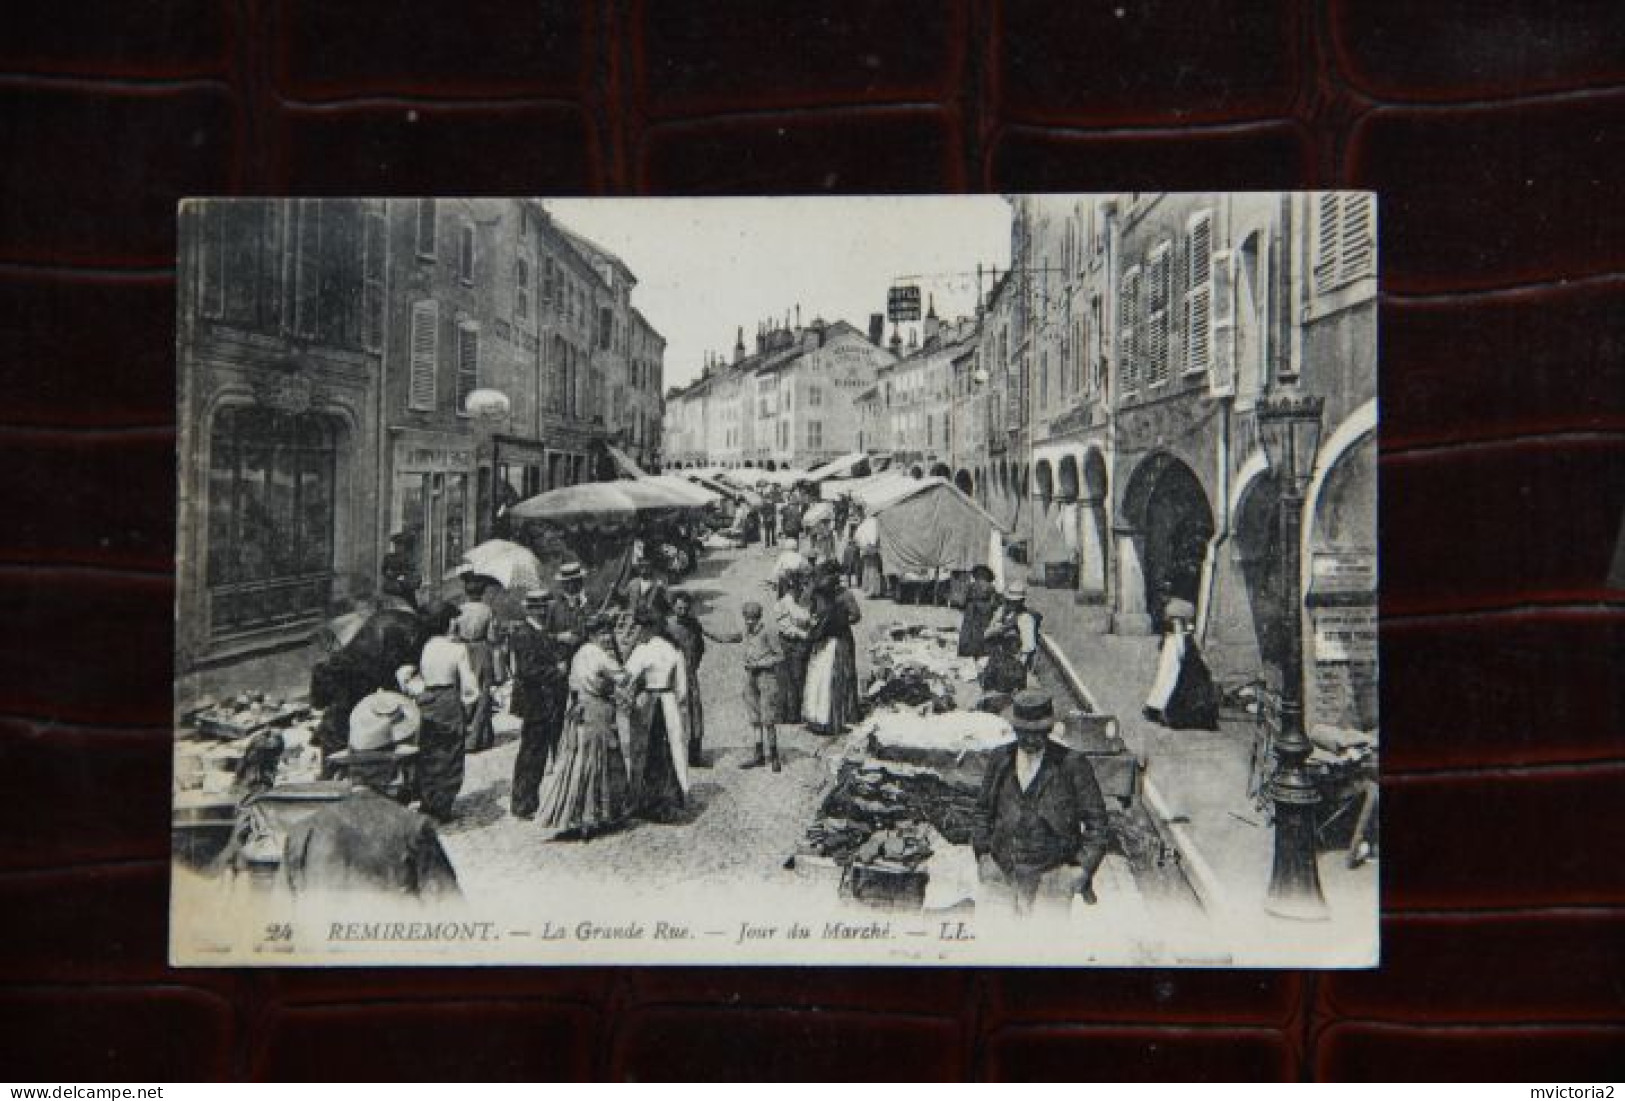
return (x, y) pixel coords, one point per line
(887, 886)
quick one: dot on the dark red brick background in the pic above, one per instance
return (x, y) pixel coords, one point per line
(1495, 132)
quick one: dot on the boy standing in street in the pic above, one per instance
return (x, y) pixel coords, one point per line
(763, 654)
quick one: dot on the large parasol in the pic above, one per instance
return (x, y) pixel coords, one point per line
(605, 502)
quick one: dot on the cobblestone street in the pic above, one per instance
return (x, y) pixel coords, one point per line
(740, 822)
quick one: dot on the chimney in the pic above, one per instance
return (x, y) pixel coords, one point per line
(896, 341)
(761, 338)
(877, 328)
(739, 345)
(933, 326)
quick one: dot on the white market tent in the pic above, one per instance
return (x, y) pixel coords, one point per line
(700, 494)
(928, 526)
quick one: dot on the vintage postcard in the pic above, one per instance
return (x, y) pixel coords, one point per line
(908, 580)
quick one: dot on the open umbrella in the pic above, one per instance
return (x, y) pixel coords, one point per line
(508, 564)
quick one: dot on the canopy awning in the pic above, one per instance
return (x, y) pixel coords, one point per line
(854, 464)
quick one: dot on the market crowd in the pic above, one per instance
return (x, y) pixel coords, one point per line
(608, 698)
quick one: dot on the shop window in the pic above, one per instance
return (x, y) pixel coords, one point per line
(271, 515)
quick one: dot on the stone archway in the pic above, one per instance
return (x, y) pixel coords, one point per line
(1168, 526)
(941, 470)
(966, 484)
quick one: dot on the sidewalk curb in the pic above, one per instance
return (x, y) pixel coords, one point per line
(1198, 872)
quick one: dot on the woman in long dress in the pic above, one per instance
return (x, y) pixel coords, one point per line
(586, 793)
(445, 687)
(868, 539)
(1182, 696)
(657, 691)
(688, 634)
(830, 698)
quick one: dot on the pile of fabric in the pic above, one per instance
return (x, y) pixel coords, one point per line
(914, 667)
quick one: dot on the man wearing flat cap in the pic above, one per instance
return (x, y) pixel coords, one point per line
(1041, 822)
(541, 665)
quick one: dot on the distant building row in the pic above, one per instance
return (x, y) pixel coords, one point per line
(788, 402)
(327, 352)
(1102, 405)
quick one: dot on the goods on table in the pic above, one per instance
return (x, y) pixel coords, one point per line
(214, 771)
(245, 714)
(915, 665)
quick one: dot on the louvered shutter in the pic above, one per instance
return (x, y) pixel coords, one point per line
(1128, 337)
(1328, 241)
(425, 353)
(1199, 295)
(1157, 322)
(468, 364)
(212, 257)
(373, 278)
(426, 227)
(1357, 244)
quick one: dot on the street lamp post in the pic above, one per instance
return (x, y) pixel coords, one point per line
(1289, 428)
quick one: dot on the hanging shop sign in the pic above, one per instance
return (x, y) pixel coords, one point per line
(903, 303)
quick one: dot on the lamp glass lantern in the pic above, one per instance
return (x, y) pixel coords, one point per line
(1289, 429)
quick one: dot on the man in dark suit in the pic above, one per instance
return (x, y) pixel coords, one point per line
(540, 692)
(1041, 821)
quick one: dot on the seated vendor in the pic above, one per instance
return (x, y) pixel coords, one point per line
(367, 841)
(1041, 821)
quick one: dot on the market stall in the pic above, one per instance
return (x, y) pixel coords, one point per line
(893, 829)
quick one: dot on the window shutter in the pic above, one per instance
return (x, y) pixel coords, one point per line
(1199, 298)
(373, 278)
(426, 227)
(468, 364)
(425, 349)
(1328, 241)
(1222, 289)
(1157, 322)
(1128, 337)
(465, 255)
(1357, 244)
(307, 268)
(212, 258)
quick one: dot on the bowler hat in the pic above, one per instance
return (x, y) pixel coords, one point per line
(570, 571)
(1179, 609)
(1033, 712)
(535, 598)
